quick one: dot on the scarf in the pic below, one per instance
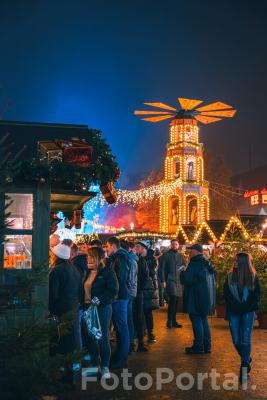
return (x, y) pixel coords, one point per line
(234, 290)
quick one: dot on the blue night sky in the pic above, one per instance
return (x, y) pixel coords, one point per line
(94, 62)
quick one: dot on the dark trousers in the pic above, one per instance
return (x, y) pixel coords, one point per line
(138, 312)
(172, 308)
(149, 320)
(130, 319)
(122, 331)
(241, 327)
(161, 293)
(201, 330)
(100, 350)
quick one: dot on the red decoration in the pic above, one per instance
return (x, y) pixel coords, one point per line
(109, 192)
(77, 219)
(118, 174)
(54, 223)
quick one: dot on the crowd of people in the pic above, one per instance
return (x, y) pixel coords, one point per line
(127, 281)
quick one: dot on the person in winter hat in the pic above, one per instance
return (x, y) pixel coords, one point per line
(142, 280)
(129, 247)
(118, 260)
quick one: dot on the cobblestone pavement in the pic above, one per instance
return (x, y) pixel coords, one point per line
(168, 352)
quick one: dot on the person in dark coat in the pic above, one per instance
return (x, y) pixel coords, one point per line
(199, 298)
(170, 265)
(80, 262)
(129, 247)
(242, 296)
(151, 295)
(142, 281)
(102, 288)
(119, 261)
(64, 302)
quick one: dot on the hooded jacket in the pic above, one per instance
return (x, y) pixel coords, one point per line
(133, 273)
(65, 287)
(199, 286)
(120, 263)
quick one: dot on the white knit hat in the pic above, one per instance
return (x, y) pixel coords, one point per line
(144, 243)
(61, 251)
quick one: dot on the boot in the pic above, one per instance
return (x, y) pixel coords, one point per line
(169, 324)
(151, 337)
(194, 350)
(176, 325)
(142, 348)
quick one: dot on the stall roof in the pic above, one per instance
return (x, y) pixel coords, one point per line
(29, 133)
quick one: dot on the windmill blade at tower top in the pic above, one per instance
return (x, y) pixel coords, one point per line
(143, 112)
(189, 104)
(206, 120)
(224, 113)
(161, 105)
(157, 119)
(214, 106)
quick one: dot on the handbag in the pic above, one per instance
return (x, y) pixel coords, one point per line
(92, 323)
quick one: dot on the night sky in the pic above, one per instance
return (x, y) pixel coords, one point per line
(94, 62)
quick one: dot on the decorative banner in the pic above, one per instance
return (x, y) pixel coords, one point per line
(252, 193)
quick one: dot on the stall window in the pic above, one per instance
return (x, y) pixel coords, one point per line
(264, 199)
(21, 210)
(18, 239)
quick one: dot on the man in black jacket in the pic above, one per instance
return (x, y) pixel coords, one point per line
(199, 298)
(119, 261)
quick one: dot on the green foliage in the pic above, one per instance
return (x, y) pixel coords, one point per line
(27, 370)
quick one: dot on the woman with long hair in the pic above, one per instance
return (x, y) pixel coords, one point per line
(102, 287)
(242, 295)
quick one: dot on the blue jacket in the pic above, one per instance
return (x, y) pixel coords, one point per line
(120, 263)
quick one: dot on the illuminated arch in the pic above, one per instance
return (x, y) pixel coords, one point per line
(175, 209)
(235, 221)
(205, 208)
(188, 198)
(203, 227)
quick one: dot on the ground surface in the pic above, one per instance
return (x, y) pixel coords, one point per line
(168, 352)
